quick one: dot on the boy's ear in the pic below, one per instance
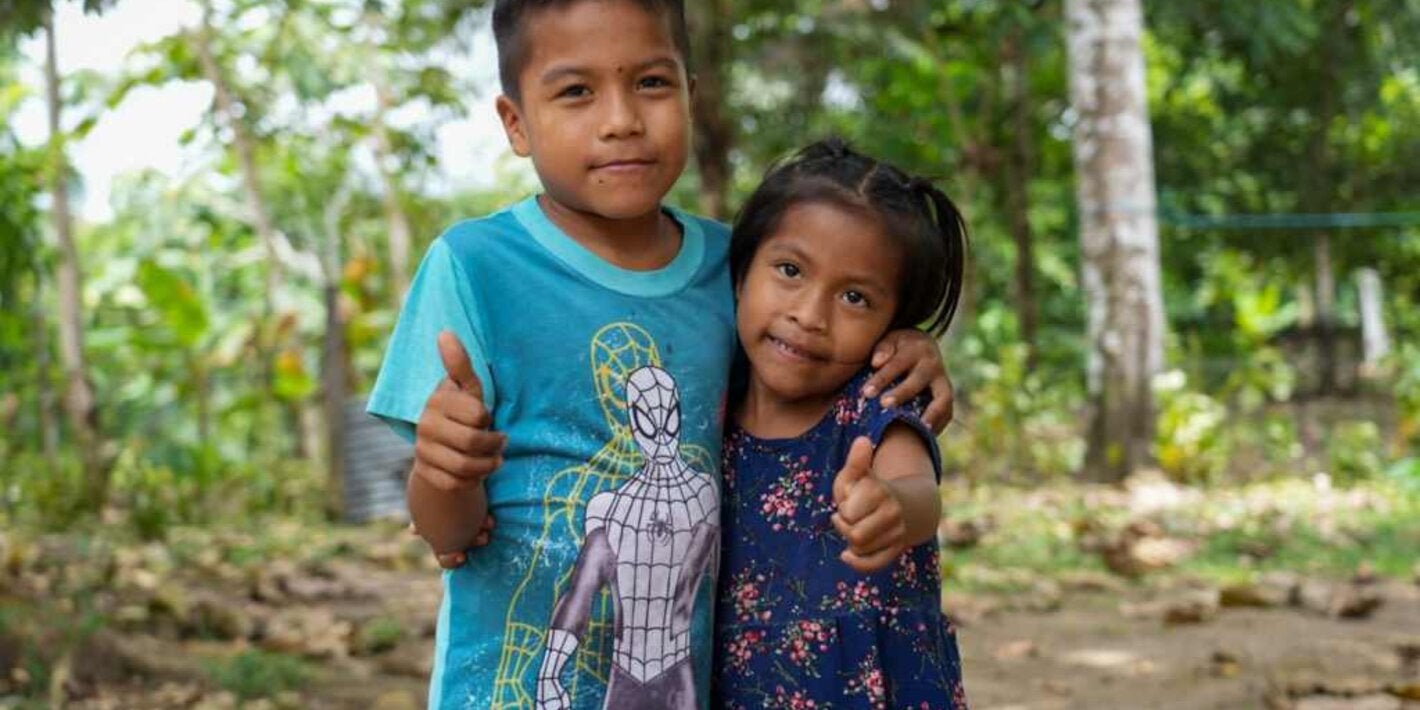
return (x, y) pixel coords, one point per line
(690, 86)
(513, 125)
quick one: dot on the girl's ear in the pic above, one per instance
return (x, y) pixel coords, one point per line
(514, 126)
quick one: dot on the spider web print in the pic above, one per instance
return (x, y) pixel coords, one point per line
(617, 350)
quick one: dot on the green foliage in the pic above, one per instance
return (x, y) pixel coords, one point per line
(1192, 437)
(1355, 451)
(41, 493)
(259, 674)
(1274, 105)
(380, 634)
(1017, 426)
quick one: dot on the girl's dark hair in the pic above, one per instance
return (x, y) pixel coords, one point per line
(911, 209)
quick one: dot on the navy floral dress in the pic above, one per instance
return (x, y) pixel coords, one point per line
(795, 626)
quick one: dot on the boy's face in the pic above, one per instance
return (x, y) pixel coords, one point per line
(605, 107)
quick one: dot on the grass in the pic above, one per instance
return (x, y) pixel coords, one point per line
(258, 674)
(1292, 525)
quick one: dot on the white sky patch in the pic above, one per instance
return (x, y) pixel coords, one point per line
(840, 94)
(144, 131)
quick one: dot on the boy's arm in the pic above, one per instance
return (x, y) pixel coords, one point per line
(915, 354)
(455, 450)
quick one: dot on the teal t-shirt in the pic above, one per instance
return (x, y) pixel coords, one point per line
(597, 588)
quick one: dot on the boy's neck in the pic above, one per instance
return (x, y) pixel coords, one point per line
(643, 243)
(767, 415)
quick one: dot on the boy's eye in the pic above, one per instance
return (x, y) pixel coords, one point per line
(787, 269)
(575, 91)
(855, 298)
(654, 82)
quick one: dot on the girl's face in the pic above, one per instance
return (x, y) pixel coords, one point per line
(818, 295)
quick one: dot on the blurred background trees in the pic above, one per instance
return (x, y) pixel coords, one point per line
(176, 349)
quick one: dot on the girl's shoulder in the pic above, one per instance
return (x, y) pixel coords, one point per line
(866, 416)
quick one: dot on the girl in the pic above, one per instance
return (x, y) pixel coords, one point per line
(830, 591)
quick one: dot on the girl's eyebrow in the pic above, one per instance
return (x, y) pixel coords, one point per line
(790, 247)
(860, 279)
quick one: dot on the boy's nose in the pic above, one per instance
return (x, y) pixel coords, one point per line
(622, 118)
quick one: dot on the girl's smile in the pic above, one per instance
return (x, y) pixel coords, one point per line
(817, 296)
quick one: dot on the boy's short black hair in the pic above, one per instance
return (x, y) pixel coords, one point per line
(510, 19)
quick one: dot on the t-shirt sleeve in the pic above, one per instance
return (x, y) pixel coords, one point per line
(439, 299)
(877, 419)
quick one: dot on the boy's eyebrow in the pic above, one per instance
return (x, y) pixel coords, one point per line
(557, 73)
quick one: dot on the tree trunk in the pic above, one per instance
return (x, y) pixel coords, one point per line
(228, 113)
(1019, 156)
(246, 156)
(1375, 341)
(400, 234)
(79, 401)
(1119, 232)
(334, 366)
(44, 392)
(1325, 312)
(714, 133)
(1321, 186)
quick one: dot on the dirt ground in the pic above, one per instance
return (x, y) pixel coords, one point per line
(1089, 654)
(1088, 646)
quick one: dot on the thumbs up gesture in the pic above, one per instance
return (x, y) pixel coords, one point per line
(455, 447)
(870, 515)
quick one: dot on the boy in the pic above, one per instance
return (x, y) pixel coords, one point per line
(588, 346)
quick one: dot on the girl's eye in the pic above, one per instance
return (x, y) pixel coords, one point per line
(787, 269)
(855, 298)
(575, 91)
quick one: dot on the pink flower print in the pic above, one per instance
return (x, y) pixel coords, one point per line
(798, 700)
(861, 596)
(805, 640)
(747, 591)
(743, 647)
(848, 410)
(781, 503)
(869, 682)
(906, 572)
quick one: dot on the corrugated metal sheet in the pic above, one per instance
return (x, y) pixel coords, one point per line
(376, 463)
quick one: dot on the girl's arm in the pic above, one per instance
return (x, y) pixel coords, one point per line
(914, 354)
(887, 502)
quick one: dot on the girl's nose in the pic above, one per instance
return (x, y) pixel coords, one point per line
(809, 312)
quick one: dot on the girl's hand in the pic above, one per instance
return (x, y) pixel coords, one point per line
(916, 354)
(870, 516)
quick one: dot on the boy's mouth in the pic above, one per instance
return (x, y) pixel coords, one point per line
(623, 166)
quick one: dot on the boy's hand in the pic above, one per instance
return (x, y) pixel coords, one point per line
(454, 446)
(869, 517)
(452, 560)
(915, 353)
